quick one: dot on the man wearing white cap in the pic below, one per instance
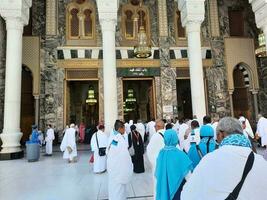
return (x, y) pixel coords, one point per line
(246, 126)
(68, 144)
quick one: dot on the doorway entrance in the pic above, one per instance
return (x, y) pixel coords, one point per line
(184, 101)
(27, 104)
(82, 103)
(241, 95)
(138, 99)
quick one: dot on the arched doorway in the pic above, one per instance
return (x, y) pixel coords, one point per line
(242, 99)
(27, 103)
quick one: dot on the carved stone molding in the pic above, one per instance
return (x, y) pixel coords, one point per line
(162, 16)
(51, 17)
(18, 10)
(214, 19)
(191, 11)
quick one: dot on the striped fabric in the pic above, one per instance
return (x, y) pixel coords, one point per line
(124, 53)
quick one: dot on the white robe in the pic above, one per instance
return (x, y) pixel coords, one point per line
(214, 126)
(220, 171)
(50, 136)
(69, 140)
(248, 130)
(176, 127)
(262, 130)
(100, 162)
(181, 132)
(119, 167)
(150, 128)
(154, 146)
(187, 142)
(141, 129)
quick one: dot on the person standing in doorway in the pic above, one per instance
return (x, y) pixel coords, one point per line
(50, 136)
(81, 132)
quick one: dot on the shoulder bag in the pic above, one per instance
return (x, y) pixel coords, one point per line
(101, 150)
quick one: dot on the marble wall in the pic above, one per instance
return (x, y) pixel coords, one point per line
(216, 75)
(2, 69)
(262, 97)
(52, 77)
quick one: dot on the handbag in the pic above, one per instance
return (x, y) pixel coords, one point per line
(101, 150)
(131, 149)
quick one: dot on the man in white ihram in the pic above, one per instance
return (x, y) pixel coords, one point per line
(154, 146)
(50, 136)
(119, 164)
(68, 144)
(99, 142)
(140, 127)
(218, 174)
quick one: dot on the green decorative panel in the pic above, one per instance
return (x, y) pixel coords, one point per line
(138, 71)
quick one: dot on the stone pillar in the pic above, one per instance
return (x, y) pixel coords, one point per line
(192, 15)
(231, 103)
(36, 105)
(16, 15)
(256, 108)
(108, 19)
(259, 8)
(265, 35)
(168, 75)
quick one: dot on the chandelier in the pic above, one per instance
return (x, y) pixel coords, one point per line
(130, 97)
(91, 100)
(142, 49)
(261, 50)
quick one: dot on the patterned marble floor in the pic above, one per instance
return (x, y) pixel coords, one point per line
(52, 178)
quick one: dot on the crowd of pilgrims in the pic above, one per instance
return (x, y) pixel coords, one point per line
(190, 160)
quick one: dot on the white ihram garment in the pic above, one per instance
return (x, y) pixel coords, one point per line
(100, 162)
(69, 141)
(50, 136)
(220, 171)
(262, 130)
(119, 167)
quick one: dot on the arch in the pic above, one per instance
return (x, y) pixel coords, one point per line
(131, 21)
(247, 74)
(27, 103)
(241, 51)
(80, 22)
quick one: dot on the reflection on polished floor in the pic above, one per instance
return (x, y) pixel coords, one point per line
(52, 178)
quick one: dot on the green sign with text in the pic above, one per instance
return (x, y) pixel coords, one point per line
(138, 71)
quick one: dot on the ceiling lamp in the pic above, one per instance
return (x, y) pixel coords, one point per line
(261, 50)
(142, 49)
(91, 100)
(130, 97)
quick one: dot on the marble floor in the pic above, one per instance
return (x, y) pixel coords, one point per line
(52, 178)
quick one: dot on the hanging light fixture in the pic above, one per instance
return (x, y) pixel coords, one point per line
(261, 50)
(91, 100)
(142, 49)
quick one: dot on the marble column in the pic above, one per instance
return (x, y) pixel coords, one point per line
(15, 21)
(265, 35)
(37, 106)
(192, 15)
(231, 103)
(108, 19)
(256, 107)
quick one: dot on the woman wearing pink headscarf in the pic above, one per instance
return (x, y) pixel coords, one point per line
(81, 132)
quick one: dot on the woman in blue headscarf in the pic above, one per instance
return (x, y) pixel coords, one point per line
(171, 168)
(207, 144)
